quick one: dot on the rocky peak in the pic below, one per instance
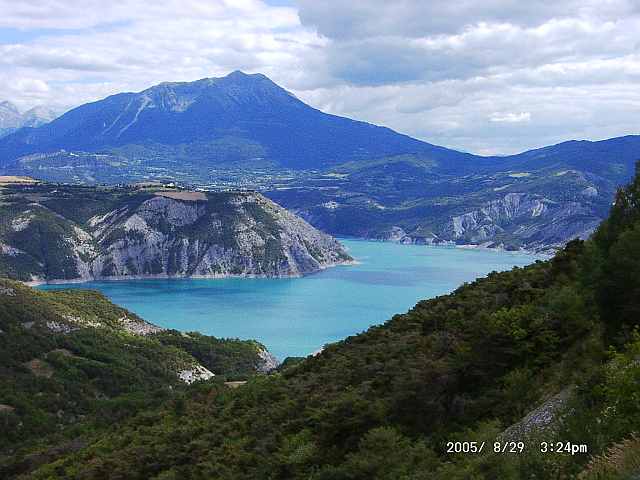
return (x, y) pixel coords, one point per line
(8, 106)
(37, 116)
(11, 118)
(237, 88)
(9, 115)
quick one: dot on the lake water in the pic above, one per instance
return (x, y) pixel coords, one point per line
(297, 316)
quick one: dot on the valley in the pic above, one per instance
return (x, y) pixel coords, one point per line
(549, 350)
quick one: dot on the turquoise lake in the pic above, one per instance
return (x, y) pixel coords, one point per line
(297, 316)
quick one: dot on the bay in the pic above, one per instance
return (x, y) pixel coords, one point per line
(297, 316)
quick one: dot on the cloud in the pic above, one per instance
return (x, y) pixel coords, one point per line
(417, 18)
(497, 76)
(510, 117)
(88, 49)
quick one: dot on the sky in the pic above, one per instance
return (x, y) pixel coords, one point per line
(484, 76)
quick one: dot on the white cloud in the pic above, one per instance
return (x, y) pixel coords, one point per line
(340, 19)
(510, 117)
(497, 76)
(132, 44)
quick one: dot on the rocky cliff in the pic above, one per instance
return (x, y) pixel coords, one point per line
(530, 221)
(67, 233)
(538, 210)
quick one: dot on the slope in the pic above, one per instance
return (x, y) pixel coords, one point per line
(50, 232)
(538, 200)
(71, 359)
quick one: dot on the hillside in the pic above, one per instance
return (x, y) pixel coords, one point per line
(549, 351)
(50, 233)
(538, 200)
(72, 359)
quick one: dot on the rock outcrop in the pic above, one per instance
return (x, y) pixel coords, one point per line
(515, 220)
(267, 361)
(539, 223)
(157, 234)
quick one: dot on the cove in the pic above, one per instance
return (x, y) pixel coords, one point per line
(297, 316)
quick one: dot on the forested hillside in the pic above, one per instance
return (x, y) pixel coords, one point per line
(537, 355)
(72, 363)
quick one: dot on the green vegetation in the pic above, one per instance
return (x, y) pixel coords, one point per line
(72, 363)
(373, 198)
(558, 339)
(235, 359)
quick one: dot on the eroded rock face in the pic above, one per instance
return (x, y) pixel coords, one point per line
(538, 223)
(194, 374)
(247, 235)
(189, 235)
(542, 418)
(268, 361)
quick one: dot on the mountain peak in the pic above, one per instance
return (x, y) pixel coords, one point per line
(37, 116)
(237, 77)
(240, 75)
(11, 119)
(8, 106)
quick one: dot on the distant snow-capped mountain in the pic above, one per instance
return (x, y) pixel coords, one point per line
(11, 119)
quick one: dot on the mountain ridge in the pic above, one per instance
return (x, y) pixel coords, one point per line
(343, 176)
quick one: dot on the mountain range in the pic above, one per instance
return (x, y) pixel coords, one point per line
(11, 119)
(344, 176)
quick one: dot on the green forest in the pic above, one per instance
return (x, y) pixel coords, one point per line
(539, 362)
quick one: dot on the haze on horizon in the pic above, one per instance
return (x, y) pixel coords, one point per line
(491, 77)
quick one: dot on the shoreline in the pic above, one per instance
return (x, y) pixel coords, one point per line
(544, 254)
(164, 276)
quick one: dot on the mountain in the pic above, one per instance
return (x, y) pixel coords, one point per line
(37, 116)
(343, 176)
(531, 373)
(50, 233)
(213, 122)
(538, 200)
(11, 119)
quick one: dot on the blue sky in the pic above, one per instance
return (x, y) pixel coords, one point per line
(491, 76)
